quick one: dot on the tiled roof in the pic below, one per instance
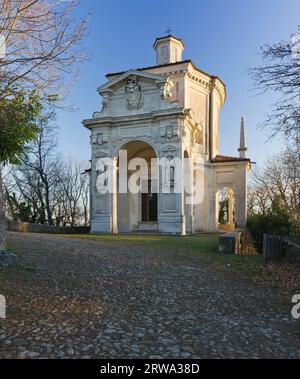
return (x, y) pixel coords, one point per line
(225, 158)
(150, 67)
(168, 36)
(166, 65)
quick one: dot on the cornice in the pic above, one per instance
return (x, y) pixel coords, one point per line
(219, 87)
(152, 116)
(197, 78)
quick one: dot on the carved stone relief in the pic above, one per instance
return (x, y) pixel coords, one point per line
(99, 139)
(198, 136)
(133, 94)
(169, 151)
(169, 133)
(166, 90)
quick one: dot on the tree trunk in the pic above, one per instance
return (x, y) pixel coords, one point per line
(2, 218)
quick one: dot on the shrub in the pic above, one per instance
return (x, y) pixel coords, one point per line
(277, 222)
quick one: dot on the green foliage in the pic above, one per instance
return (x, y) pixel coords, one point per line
(18, 115)
(24, 213)
(276, 221)
(223, 211)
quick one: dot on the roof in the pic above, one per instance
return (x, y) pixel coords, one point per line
(225, 158)
(150, 67)
(168, 36)
(169, 64)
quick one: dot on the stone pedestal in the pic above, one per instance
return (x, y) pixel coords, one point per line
(228, 243)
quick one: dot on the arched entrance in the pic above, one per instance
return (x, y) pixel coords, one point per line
(226, 211)
(138, 200)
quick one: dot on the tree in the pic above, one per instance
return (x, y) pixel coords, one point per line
(44, 188)
(40, 44)
(277, 220)
(17, 127)
(74, 185)
(18, 116)
(38, 174)
(38, 51)
(281, 74)
(258, 199)
(86, 198)
(223, 209)
(279, 178)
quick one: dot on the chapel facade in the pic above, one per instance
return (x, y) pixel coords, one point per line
(169, 110)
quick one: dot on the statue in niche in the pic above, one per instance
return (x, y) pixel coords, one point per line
(169, 174)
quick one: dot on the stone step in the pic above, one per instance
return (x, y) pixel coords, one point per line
(147, 227)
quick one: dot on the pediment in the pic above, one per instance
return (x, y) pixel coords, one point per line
(134, 74)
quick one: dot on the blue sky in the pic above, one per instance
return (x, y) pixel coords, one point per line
(222, 37)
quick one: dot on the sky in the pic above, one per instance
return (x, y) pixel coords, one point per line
(222, 37)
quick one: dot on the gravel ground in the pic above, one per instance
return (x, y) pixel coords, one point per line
(73, 298)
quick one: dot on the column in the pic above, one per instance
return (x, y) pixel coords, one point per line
(113, 197)
(230, 206)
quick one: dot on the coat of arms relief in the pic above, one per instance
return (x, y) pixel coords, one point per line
(134, 94)
(99, 139)
(169, 133)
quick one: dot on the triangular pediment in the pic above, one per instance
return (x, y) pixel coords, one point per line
(119, 80)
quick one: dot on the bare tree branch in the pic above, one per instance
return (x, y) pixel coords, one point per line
(42, 46)
(281, 74)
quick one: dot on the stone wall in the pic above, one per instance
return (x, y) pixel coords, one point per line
(25, 227)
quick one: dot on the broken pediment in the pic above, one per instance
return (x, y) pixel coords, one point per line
(132, 75)
(135, 91)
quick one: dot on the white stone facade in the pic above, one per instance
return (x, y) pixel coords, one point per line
(168, 110)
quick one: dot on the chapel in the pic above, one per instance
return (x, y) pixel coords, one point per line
(169, 110)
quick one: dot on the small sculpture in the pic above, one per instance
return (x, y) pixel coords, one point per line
(134, 94)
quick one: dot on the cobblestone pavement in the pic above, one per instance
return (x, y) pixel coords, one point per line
(73, 298)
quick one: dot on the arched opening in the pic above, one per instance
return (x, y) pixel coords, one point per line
(226, 212)
(138, 199)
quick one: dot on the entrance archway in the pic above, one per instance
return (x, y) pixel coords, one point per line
(138, 207)
(226, 211)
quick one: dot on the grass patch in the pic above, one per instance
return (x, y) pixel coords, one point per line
(200, 249)
(195, 242)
